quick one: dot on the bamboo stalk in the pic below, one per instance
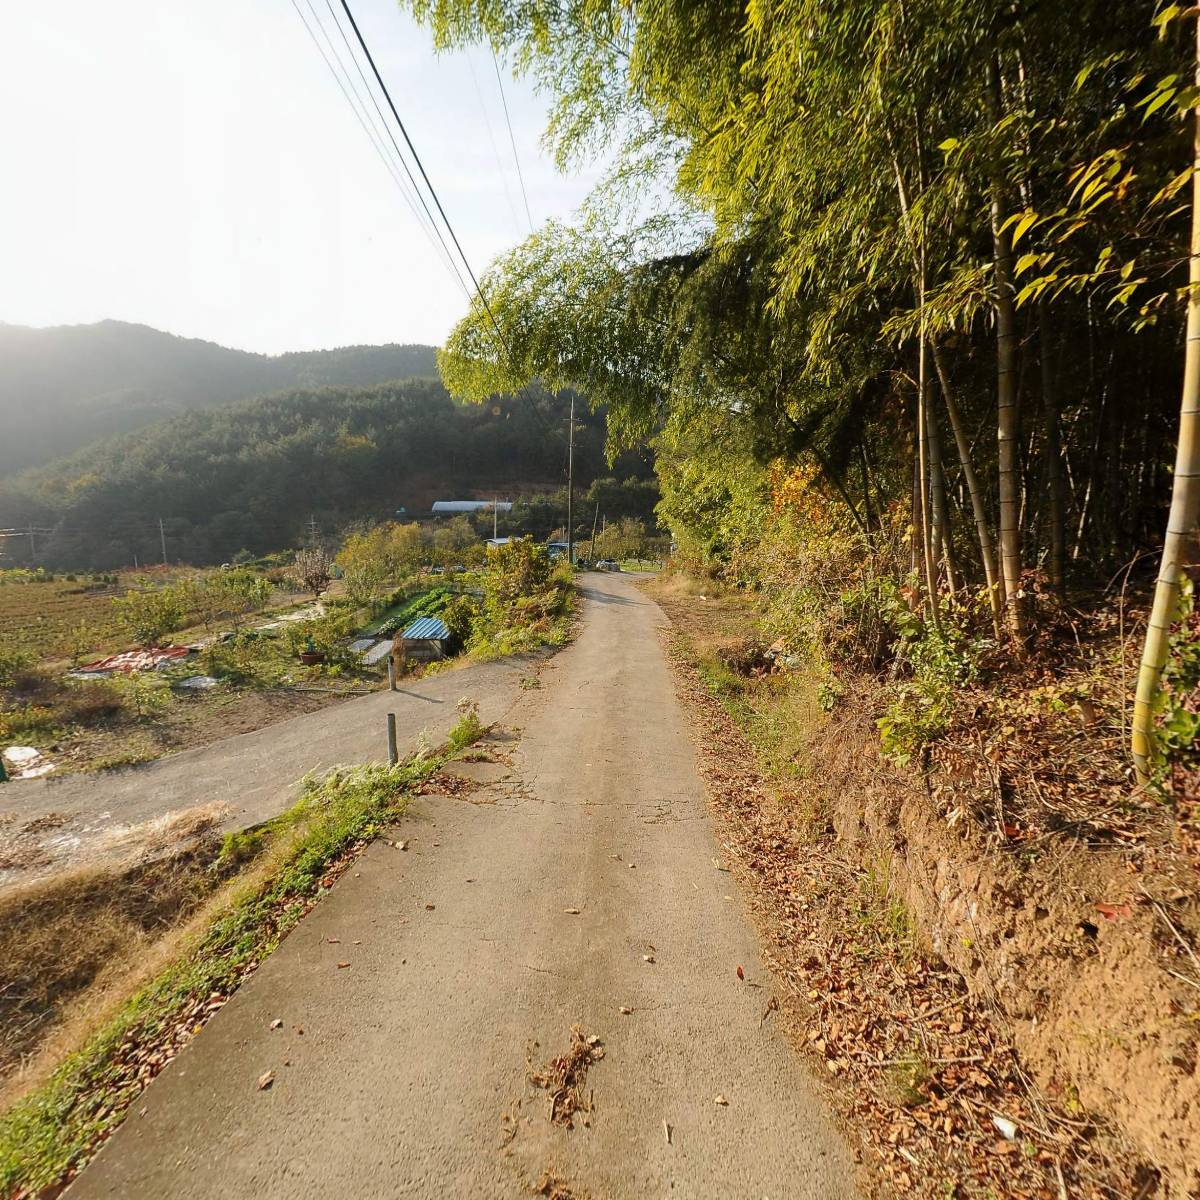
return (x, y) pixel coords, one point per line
(923, 461)
(1053, 451)
(1179, 545)
(1007, 422)
(943, 544)
(987, 555)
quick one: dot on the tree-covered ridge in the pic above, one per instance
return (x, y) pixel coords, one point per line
(248, 476)
(63, 387)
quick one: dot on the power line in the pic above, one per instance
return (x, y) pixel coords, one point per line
(387, 129)
(495, 149)
(437, 202)
(420, 167)
(426, 224)
(512, 141)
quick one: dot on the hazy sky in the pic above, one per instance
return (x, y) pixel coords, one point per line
(193, 166)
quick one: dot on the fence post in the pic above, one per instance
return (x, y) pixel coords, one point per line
(391, 673)
(393, 753)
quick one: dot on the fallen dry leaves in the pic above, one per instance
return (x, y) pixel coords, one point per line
(564, 1077)
(916, 1065)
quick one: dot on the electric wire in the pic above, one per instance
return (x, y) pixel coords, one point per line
(512, 208)
(512, 141)
(388, 129)
(356, 107)
(421, 167)
(425, 223)
(483, 300)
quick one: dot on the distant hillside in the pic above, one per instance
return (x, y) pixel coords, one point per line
(248, 475)
(63, 387)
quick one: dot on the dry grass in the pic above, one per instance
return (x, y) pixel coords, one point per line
(72, 945)
(138, 957)
(77, 945)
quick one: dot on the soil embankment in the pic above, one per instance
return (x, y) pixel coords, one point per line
(1007, 1011)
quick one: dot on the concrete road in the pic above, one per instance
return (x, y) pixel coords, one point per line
(410, 1076)
(254, 775)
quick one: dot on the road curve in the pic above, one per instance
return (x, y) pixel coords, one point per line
(254, 775)
(410, 1076)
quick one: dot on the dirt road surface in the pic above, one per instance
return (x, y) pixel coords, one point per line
(410, 1078)
(52, 823)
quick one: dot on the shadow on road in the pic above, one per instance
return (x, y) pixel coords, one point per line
(609, 598)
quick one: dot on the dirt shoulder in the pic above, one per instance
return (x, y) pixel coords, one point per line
(996, 1023)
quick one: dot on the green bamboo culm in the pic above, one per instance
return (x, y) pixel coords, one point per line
(1179, 546)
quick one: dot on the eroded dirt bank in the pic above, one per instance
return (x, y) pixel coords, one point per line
(1002, 1017)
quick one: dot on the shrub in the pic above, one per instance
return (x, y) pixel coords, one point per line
(469, 729)
(941, 661)
(15, 657)
(229, 596)
(28, 721)
(460, 616)
(148, 614)
(82, 640)
(325, 634)
(146, 692)
(311, 570)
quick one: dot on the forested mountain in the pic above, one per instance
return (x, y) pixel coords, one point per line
(250, 475)
(63, 387)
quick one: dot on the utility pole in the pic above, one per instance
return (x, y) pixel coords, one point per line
(595, 522)
(495, 519)
(32, 546)
(571, 486)
(162, 538)
(312, 529)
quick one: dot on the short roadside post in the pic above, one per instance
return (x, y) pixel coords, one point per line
(391, 674)
(393, 753)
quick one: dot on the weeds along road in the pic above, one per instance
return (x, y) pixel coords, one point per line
(571, 880)
(245, 779)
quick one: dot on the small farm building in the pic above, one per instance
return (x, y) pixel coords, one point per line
(450, 508)
(425, 640)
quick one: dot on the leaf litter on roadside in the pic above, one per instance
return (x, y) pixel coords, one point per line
(920, 1066)
(564, 1077)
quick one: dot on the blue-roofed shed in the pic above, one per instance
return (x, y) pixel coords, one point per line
(425, 639)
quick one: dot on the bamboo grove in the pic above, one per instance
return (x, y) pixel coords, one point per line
(931, 254)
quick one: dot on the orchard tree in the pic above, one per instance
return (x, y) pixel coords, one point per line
(311, 570)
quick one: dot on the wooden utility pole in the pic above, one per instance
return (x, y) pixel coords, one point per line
(162, 538)
(595, 522)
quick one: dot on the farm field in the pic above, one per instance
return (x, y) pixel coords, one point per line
(48, 623)
(41, 616)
